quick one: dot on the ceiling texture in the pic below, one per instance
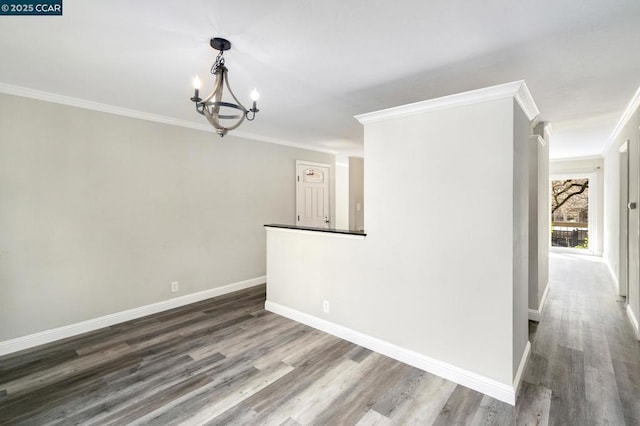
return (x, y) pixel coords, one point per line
(317, 63)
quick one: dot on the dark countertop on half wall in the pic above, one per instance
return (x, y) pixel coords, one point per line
(310, 228)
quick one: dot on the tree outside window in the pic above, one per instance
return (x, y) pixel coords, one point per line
(570, 213)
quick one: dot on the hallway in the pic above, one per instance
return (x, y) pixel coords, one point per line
(585, 361)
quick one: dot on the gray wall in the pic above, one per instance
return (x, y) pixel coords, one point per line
(521, 232)
(356, 193)
(100, 213)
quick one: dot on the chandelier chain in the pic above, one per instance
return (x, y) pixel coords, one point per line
(219, 62)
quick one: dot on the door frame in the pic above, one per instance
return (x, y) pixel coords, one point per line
(623, 255)
(297, 179)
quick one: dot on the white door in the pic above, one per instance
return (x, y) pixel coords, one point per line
(312, 194)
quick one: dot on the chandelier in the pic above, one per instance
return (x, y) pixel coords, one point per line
(212, 105)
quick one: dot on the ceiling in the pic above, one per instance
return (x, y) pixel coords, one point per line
(319, 63)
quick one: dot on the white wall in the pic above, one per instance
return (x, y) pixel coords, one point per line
(534, 147)
(341, 220)
(539, 229)
(433, 185)
(521, 234)
(443, 269)
(100, 213)
(630, 132)
(594, 166)
(356, 193)
(611, 209)
(544, 215)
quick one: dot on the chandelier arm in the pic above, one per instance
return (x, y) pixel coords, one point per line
(211, 106)
(229, 105)
(220, 78)
(213, 114)
(214, 122)
(216, 92)
(234, 96)
(213, 118)
(239, 105)
(242, 116)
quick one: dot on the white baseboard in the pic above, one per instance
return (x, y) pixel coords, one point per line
(634, 321)
(48, 336)
(613, 276)
(536, 314)
(487, 386)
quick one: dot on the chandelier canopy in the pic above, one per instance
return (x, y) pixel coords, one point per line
(212, 105)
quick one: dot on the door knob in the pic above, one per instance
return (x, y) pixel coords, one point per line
(632, 205)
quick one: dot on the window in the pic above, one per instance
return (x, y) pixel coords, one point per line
(570, 213)
(313, 176)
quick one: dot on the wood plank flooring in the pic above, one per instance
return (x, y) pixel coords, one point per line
(227, 361)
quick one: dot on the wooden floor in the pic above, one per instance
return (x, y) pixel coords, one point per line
(227, 361)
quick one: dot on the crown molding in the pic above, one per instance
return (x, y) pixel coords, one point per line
(586, 158)
(141, 115)
(517, 90)
(624, 119)
(277, 141)
(525, 100)
(96, 106)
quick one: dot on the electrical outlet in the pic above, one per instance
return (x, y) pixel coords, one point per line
(325, 306)
(175, 286)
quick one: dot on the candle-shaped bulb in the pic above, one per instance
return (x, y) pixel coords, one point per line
(196, 83)
(254, 95)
